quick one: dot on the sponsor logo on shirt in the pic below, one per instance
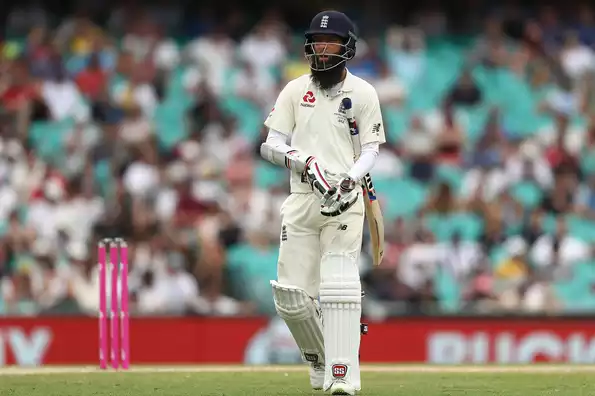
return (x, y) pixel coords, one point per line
(308, 99)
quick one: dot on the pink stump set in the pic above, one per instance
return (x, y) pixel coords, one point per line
(117, 341)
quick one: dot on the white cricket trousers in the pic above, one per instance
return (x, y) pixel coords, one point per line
(306, 236)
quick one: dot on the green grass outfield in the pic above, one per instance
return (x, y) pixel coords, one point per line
(378, 380)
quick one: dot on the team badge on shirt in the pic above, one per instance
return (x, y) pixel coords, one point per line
(340, 114)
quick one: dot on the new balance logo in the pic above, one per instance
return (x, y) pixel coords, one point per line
(324, 22)
(283, 234)
(376, 128)
(342, 227)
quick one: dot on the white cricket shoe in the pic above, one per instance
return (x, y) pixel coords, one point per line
(340, 387)
(317, 376)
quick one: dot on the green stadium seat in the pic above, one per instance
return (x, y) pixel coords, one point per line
(103, 177)
(549, 223)
(578, 294)
(527, 194)
(497, 255)
(176, 92)
(448, 291)
(249, 116)
(439, 225)
(401, 197)
(170, 123)
(48, 137)
(467, 225)
(452, 175)
(588, 162)
(581, 228)
(475, 118)
(268, 175)
(248, 265)
(397, 124)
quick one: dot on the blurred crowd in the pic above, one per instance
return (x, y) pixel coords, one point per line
(487, 181)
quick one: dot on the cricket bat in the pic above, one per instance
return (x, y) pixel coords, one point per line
(373, 212)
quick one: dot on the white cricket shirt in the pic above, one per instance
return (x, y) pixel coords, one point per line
(313, 120)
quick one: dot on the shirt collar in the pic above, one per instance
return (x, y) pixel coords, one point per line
(344, 86)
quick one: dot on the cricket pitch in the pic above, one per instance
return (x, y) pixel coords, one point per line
(222, 380)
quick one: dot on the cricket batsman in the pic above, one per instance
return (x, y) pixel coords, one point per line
(323, 217)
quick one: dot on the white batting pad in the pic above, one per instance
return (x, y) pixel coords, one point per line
(303, 317)
(341, 302)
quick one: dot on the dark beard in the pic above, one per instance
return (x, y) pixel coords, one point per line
(328, 78)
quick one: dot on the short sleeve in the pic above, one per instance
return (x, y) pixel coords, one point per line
(281, 118)
(371, 127)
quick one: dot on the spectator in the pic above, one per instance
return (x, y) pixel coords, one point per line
(514, 268)
(141, 177)
(137, 92)
(406, 54)
(491, 49)
(557, 253)
(420, 150)
(493, 234)
(184, 286)
(18, 90)
(157, 141)
(84, 285)
(560, 198)
(368, 63)
(460, 258)
(154, 296)
(576, 58)
(255, 85)
(451, 139)
(527, 165)
(136, 129)
(19, 295)
(92, 80)
(465, 92)
(539, 297)
(480, 295)
(442, 201)
(417, 269)
(486, 178)
(585, 199)
(49, 279)
(586, 25)
(533, 227)
(263, 48)
(63, 98)
(210, 55)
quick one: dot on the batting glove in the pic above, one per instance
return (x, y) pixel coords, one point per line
(340, 197)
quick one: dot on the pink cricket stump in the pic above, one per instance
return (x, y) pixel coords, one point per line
(124, 316)
(115, 334)
(103, 352)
